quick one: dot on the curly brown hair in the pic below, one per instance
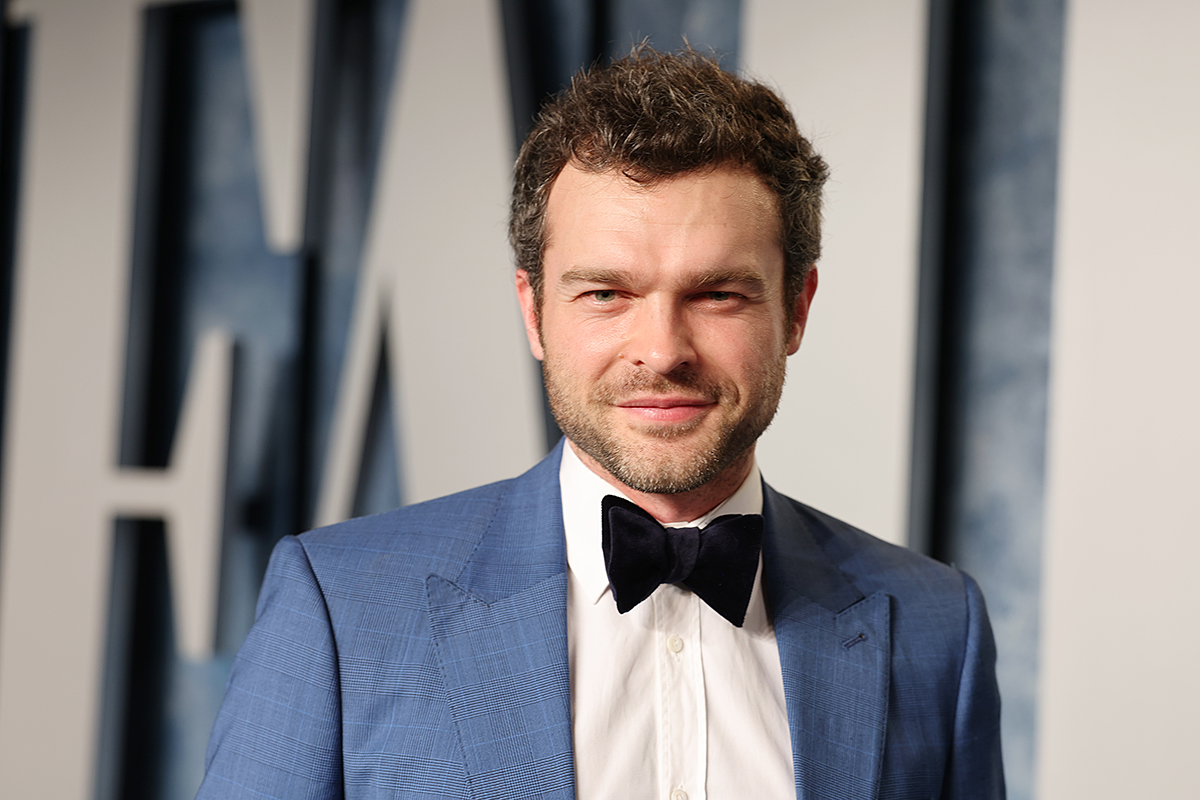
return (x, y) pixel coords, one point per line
(655, 115)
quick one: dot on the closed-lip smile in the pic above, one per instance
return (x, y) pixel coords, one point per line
(668, 408)
(668, 401)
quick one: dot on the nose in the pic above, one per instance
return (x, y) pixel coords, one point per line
(659, 338)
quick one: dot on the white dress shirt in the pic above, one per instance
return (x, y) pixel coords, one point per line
(669, 701)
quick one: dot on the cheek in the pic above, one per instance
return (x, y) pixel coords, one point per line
(745, 348)
(752, 358)
(581, 345)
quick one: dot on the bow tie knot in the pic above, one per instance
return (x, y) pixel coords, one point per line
(682, 547)
(718, 562)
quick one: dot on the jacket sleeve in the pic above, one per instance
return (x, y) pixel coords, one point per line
(278, 733)
(975, 771)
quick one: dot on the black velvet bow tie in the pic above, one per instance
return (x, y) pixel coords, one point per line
(718, 563)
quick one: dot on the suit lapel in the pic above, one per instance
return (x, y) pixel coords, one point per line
(500, 632)
(835, 650)
(499, 628)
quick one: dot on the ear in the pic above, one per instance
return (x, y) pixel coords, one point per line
(800, 312)
(525, 297)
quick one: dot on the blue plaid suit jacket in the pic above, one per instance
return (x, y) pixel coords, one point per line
(422, 653)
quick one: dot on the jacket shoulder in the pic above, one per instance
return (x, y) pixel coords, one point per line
(404, 544)
(872, 564)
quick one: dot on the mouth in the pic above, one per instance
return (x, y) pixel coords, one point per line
(666, 408)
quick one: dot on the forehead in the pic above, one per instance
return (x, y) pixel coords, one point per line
(720, 218)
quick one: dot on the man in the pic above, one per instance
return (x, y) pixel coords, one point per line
(546, 636)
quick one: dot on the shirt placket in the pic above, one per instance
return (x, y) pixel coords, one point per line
(682, 739)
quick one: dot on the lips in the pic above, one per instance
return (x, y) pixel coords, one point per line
(672, 401)
(669, 409)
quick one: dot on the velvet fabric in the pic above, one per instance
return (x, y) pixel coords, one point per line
(717, 562)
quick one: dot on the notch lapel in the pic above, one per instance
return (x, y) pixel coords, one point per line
(835, 651)
(500, 632)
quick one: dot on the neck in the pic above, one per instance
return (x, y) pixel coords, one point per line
(684, 506)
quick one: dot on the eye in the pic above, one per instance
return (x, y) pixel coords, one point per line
(719, 301)
(723, 298)
(604, 295)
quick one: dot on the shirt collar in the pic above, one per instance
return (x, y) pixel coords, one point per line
(582, 491)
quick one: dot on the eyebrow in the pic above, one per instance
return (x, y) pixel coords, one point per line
(742, 277)
(715, 277)
(577, 275)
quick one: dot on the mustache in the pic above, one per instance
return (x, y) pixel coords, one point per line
(685, 381)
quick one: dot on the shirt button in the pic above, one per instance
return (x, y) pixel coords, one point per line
(675, 644)
(679, 794)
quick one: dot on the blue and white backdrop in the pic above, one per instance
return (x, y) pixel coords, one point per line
(253, 278)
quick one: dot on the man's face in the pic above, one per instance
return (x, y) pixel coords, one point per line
(663, 328)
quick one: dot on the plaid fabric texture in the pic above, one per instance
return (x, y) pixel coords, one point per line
(422, 653)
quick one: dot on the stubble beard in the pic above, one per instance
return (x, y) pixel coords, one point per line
(665, 458)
